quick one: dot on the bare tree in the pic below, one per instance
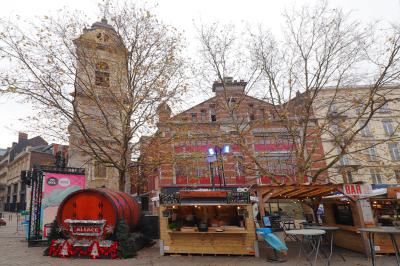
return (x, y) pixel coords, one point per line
(323, 56)
(104, 83)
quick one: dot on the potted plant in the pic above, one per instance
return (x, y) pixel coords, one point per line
(174, 226)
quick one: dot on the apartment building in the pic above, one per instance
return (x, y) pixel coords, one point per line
(23, 155)
(373, 156)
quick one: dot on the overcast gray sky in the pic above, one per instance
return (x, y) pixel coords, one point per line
(181, 14)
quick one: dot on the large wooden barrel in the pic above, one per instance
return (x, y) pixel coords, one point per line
(100, 204)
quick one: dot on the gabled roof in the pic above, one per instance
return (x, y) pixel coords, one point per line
(213, 99)
(23, 143)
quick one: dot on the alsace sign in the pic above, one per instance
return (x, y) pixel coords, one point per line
(357, 189)
(86, 229)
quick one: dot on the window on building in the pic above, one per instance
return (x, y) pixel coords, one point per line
(376, 176)
(335, 129)
(252, 115)
(365, 131)
(263, 115)
(397, 175)
(15, 188)
(394, 151)
(99, 170)
(180, 170)
(203, 115)
(213, 113)
(360, 109)
(388, 127)
(239, 167)
(194, 116)
(333, 109)
(348, 177)
(372, 154)
(345, 160)
(231, 102)
(384, 108)
(102, 74)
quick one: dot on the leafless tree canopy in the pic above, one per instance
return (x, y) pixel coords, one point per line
(322, 50)
(139, 67)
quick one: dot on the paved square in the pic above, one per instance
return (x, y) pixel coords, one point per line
(14, 251)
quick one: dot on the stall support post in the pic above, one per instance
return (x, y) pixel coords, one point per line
(364, 236)
(261, 206)
(161, 247)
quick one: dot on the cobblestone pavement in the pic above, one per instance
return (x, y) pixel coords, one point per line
(14, 251)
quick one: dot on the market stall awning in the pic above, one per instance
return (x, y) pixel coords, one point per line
(296, 191)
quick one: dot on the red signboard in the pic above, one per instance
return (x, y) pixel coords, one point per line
(356, 189)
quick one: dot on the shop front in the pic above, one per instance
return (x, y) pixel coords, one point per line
(206, 221)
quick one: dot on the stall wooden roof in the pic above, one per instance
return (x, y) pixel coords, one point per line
(296, 191)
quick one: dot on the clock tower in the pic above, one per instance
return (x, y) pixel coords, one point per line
(96, 131)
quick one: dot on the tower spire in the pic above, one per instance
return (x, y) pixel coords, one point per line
(105, 11)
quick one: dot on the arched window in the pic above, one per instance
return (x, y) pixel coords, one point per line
(102, 73)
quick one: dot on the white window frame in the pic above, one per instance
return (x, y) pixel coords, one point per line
(388, 127)
(372, 154)
(365, 132)
(376, 176)
(394, 151)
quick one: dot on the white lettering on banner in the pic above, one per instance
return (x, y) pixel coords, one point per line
(64, 182)
(357, 189)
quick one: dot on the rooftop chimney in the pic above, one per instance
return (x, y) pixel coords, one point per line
(22, 136)
(230, 86)
(164, 112)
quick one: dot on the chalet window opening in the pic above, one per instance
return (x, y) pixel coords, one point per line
(102, 74)
(343, 214)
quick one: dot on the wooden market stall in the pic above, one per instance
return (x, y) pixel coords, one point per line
(204, 221)
(309, 196)
(358, 209)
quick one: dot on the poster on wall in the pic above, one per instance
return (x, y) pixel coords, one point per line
(56, 186)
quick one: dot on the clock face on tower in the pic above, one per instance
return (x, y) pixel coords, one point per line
(102, 37)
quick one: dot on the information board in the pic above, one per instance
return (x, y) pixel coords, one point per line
(239, 197)
(170, 198)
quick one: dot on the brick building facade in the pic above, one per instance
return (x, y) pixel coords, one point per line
(261, 149)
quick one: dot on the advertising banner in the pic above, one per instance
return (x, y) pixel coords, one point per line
(56, 186)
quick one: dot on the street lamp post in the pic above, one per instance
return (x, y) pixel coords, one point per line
(216, 154)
